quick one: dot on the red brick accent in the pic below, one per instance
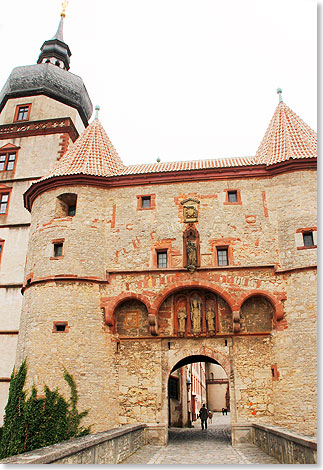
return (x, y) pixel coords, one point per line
(1, 247)
(227, 202)
(113, 218)
(264, 203)
(64, 145)
(274, 371)
(306, 247)
(309, 229)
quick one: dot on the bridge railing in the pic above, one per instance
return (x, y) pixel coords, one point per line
(108, 447)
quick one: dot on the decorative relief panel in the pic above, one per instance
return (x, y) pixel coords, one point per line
(195, 313)
(190, 210)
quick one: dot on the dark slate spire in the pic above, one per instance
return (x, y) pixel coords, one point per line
(55, 50)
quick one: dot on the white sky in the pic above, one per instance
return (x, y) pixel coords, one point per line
(178, 79)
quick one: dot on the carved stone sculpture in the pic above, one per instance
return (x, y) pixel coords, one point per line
(181, 317)
(191, 255)
(210, 316)
(196, 316)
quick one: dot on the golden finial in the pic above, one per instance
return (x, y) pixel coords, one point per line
(64, 5)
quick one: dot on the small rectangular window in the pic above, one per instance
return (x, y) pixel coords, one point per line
(232, 196)
(4, 198)
(58, 250)
(2, 162)
(146, 202)
(162, 259)
(223, 259)
(7, 161)
(60, 327)
(308, 239)
(22, 113)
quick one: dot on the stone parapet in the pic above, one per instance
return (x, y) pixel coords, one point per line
(108, 447)
(286, 446)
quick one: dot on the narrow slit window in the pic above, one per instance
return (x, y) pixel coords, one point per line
(223, 259)
(162, 259)
(58, 250)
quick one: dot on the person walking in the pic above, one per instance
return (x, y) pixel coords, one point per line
(210, 416)
(203, 416)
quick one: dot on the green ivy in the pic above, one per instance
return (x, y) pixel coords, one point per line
(38, 422)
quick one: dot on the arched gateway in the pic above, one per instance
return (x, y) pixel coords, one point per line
(196, 322)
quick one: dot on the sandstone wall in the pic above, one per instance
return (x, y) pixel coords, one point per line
(110, 239)
(295, 353)
(86, 350)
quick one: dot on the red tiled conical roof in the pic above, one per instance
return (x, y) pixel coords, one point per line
(91, 154)
(287, 137)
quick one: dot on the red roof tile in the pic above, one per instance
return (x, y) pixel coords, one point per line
(287, 137)
(91, 154)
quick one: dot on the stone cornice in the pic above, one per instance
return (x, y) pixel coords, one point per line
(43, 127)
(257, 171)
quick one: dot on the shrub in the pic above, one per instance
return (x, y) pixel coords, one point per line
(38, 421)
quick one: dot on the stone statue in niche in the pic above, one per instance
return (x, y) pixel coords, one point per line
(196, 315)
(210, 317)
(191, 252)
(181, 318)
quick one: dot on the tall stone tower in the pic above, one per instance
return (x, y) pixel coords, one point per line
(43, 108)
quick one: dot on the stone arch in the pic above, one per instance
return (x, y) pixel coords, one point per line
(275, 302)
(257, 314)
(159, 299)
(109, 305)
(202, 351)
(192, 309)
(131, 318)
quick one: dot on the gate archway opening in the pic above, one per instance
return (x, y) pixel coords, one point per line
(193, 381)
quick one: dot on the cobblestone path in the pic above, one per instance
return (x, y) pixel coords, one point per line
(194, 446)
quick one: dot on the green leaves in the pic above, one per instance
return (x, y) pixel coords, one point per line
(39, 421)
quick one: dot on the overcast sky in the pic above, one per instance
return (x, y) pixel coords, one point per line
(178, 79)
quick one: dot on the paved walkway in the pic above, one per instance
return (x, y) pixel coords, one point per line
(194, 446)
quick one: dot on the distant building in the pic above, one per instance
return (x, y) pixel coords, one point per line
(132, 271)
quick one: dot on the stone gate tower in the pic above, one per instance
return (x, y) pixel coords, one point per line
(43, 108)
(134, 270)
